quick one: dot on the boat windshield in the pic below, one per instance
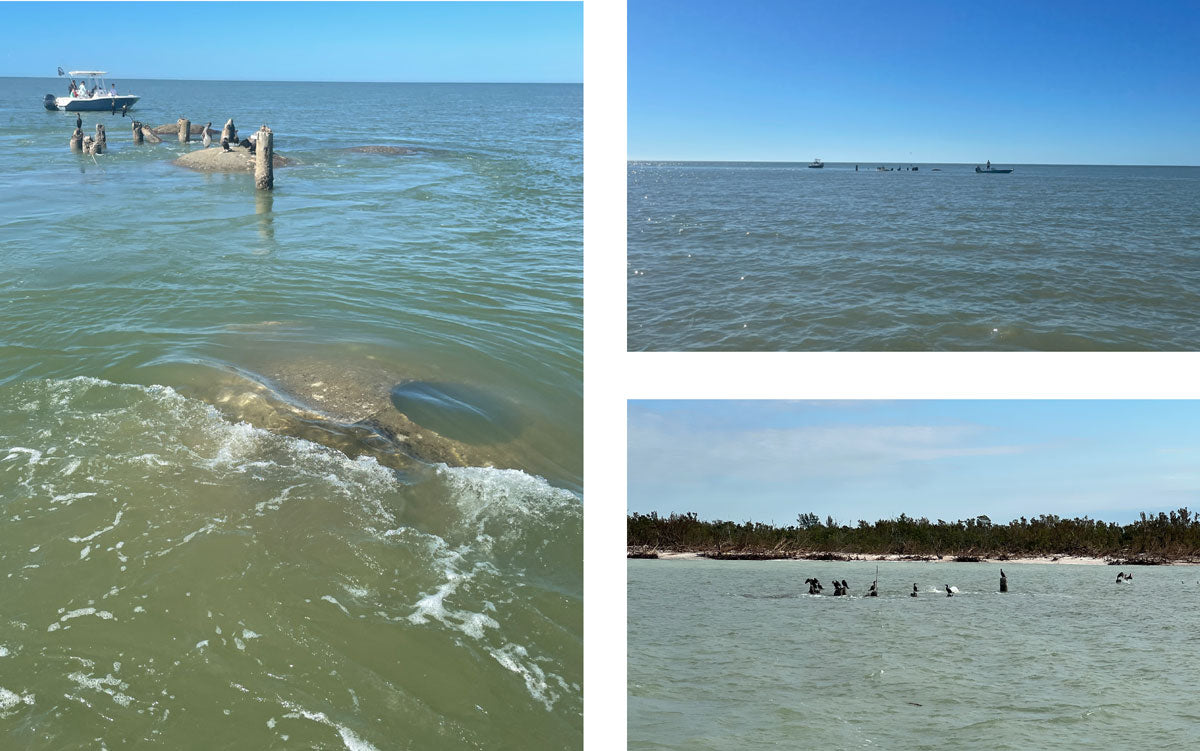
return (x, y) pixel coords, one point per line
(88, 84)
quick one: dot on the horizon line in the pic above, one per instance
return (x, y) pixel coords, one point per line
(886, 162)
(301, 80)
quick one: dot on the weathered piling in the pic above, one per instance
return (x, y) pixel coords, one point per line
(89, 145)
(137, 133)
(150, 135)
(77, 140)
(229, 133)
(1003, 581)
(185, 130)
(101, 139)
(264, 173)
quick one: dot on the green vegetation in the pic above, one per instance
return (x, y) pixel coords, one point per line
(1173, 536)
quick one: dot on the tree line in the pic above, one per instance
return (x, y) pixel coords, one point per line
(1169, 536)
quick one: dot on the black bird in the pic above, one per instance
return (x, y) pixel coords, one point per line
(914, 592)
(225, 144)
(78, 121)
(948, 592)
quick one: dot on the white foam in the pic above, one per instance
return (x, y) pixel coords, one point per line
(70, 498)
(99, 532)
(102, 685)
(330, 598)
(34, 455)
(516, 658)
(102, 614)
(10, 700)
(349, 737)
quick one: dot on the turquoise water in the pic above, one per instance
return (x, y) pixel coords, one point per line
(298, 468)
(779, 257)
(729, 654)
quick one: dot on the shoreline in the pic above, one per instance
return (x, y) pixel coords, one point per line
(640, 552)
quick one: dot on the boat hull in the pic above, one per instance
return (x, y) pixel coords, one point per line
(94, 104)
(993, 171)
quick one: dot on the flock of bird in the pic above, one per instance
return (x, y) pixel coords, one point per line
(842, 588)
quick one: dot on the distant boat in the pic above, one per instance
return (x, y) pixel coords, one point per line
(90, 95)
(816, 164)
(990, 170)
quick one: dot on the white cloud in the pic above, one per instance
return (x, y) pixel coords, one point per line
(664, 450)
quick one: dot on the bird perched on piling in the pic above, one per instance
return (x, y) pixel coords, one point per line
(79, 121)
(207, 138)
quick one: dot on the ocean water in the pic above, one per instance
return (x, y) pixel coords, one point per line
(729, 654)
(298, 469)
(779, 257)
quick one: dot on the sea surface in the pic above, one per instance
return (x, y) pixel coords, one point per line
(301, 468)
(737, 654)
(780, 257)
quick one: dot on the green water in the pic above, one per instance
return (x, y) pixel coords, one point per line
(738, 256)
(736, 654)
(220, 529)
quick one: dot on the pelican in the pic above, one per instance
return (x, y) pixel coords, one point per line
(207, 138)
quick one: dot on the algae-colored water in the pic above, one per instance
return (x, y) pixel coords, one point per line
(219, 530)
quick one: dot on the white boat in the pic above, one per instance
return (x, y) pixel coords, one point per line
(91, 94)
(816, 164)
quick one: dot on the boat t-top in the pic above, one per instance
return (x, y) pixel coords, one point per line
(989, 169)
(90, 94)
(816, 164)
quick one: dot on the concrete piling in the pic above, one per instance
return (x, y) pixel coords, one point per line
(229, 132)
(137, 133)
(77, 140)
(150, 135)
(185, 130)
(264, 174)
(101, 139)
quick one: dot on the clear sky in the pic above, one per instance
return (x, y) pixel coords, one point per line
(418, 42)
(1014, 81)
(771, 460)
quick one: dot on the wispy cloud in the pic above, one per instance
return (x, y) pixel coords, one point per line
(659, 446)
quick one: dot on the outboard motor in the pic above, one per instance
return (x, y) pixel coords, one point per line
(50, 103)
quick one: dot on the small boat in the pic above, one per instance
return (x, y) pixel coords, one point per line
(92, 94)
(990, 170)
(816, 164)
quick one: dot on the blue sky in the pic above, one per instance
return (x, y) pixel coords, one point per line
(1014, 81)
(419, 42)
(771, 460)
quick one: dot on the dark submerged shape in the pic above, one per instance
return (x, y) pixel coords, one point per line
(458, 411)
